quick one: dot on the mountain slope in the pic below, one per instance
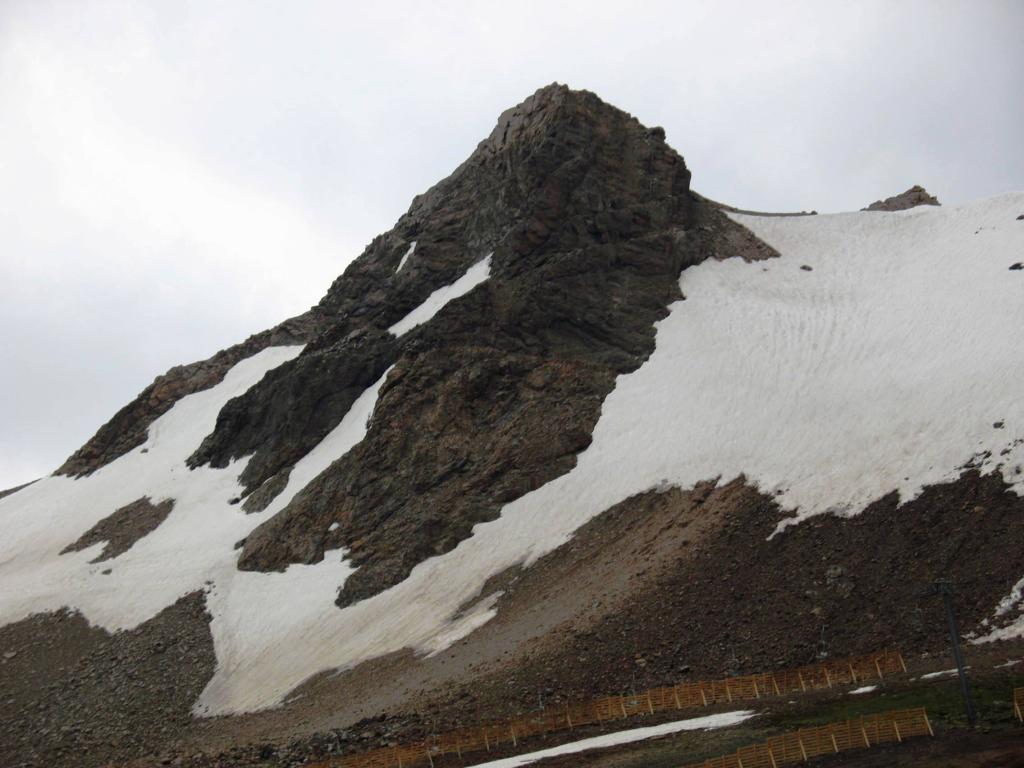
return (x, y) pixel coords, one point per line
(553, 422)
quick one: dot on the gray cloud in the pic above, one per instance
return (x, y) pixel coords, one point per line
(175, 176)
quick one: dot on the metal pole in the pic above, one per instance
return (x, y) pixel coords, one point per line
(944, 588)
(954, 640)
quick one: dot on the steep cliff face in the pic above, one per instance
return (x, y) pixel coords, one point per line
(588, 220)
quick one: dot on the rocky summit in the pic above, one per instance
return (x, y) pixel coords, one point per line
(567, 428)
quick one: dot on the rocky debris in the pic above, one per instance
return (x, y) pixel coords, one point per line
(123, 528)
(590, 220)
(75, 695)
(128, 428)
(912, 198)
(733, 600)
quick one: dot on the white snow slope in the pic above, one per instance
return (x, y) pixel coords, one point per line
(885, 367)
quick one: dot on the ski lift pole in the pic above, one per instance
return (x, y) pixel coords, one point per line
(944, 588)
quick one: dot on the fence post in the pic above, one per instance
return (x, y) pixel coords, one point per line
(879, 668)
(800, 740)
(828, 678)
(675, 695)
(650, 702)
(568, 717)
(800, 675)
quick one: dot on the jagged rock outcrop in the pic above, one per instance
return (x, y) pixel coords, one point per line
(127, 429)
(590, 220)
(913, 197)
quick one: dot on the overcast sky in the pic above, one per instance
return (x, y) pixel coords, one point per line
(177, 175)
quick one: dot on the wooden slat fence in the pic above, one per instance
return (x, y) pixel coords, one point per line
(800, 746)
(695, 695)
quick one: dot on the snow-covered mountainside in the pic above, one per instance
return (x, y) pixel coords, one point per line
(514, 389)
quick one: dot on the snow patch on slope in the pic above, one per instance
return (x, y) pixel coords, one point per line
(1012, 602)
(405, 257)
(194, 544)
(350, 431)
(435, 301)
(192, 549)
(711, 722)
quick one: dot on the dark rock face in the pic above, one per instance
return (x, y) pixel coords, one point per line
(123, 528)
(590, 220)
(128, 428)
(912, 198)
(295, 405)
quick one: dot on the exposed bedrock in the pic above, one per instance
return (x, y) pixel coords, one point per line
(913, 197)
(590, 220)
(123, 528)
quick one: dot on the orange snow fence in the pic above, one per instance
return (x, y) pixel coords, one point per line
(697, 695)
(800, 746)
